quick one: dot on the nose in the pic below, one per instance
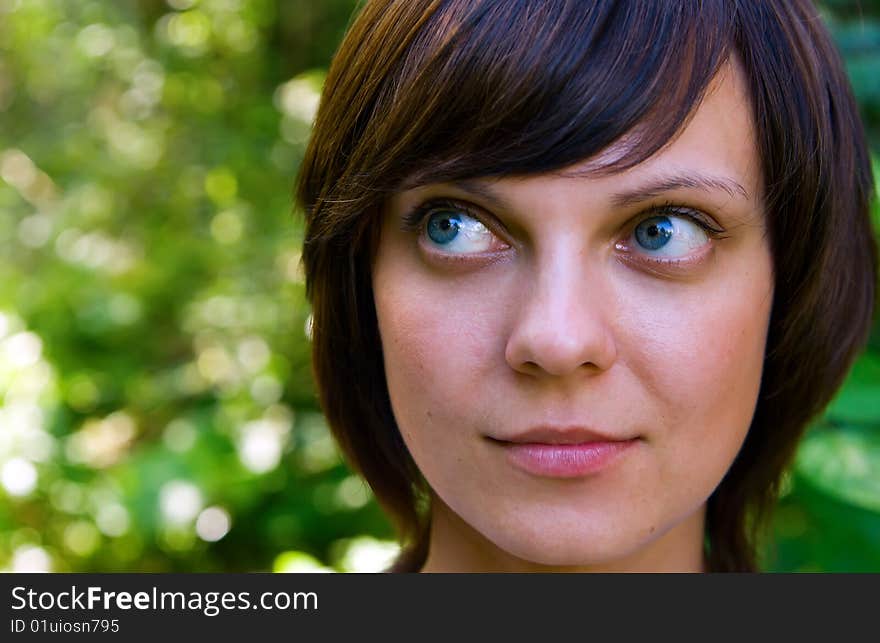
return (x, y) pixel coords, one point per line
(563, 321)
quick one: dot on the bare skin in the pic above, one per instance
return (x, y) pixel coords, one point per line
(634, 306)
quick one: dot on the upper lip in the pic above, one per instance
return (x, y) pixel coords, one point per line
(560, 435)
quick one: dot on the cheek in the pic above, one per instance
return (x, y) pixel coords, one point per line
(699, 354)
(437, 351)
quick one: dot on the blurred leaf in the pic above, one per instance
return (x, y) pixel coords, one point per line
(859, 399)
(845, 464)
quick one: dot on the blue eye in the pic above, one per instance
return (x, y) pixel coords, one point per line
(654, 233)
(443, 227)
(458, 233)
(669, 235)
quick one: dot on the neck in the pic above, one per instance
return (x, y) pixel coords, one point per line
(456, 547)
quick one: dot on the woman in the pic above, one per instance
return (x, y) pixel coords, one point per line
(582, 272)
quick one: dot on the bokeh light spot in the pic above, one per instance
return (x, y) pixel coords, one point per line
(34, 231)
(266, 390)
(31, 558)
(212, 524)
(221, 186)
(298, 562)
(179, 435)
(18, 476)
(366, 554)
(81, 538)
(112, 519)
(96, 40)
(179, 502)
(102, 443)
(227, 227)
(22, 349)
(352, 493)
(261, 444)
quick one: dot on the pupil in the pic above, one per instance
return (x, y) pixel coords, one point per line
(653, 231)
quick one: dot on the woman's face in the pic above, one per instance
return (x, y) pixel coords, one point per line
(574, 360)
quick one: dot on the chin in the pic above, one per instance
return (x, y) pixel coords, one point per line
(579, 554)
(570, 548)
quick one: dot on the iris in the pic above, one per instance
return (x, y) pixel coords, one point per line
(654, 233)
(443, 227)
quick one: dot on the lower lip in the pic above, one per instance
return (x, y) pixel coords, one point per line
(565, 460)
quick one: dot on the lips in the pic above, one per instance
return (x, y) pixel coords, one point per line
(559, 435)
(563, 452)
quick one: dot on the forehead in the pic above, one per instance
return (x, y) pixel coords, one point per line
(714, 155)
(718, 139)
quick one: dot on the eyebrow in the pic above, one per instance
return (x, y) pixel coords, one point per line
(654, 187)
(692, 181)
(479, 188)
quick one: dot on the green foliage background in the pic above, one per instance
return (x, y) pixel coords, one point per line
(156, 407)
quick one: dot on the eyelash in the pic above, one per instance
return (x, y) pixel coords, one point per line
(679, 210)
(414, 219)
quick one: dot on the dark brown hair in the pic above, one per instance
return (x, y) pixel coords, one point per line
(442, 90)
